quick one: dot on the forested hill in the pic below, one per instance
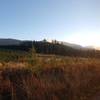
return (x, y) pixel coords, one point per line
(45, 47)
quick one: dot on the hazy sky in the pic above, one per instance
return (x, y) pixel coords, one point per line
(75, 21)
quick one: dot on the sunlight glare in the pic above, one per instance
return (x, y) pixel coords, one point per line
(85, 39)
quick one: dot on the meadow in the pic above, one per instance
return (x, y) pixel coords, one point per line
(32, 76)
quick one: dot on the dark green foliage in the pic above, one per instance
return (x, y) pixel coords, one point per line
(52, 48)
(11, 55)
(60, 49)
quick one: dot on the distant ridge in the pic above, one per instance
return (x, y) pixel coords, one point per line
(9, 41)
(75, 46)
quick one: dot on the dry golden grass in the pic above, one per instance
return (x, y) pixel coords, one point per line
(52, 78)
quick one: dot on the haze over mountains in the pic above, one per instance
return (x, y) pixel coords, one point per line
(8, 41)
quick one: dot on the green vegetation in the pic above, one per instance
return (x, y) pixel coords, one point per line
(56, 48)
(11, 55)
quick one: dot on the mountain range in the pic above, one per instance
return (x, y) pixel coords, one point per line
(8, 41)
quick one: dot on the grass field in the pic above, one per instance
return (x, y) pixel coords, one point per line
(47, 77)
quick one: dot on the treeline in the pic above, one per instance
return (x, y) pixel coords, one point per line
(60, 49)
(56, 48)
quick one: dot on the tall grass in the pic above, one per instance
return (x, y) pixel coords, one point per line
(53, 77)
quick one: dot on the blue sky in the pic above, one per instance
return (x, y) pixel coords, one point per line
(76, 21)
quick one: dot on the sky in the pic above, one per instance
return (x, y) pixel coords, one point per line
(74, 21)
